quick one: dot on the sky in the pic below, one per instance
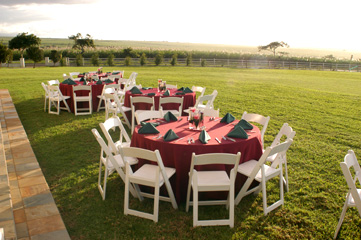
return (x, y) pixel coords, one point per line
(323, 24)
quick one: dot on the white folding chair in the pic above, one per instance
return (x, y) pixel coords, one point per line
(170, 100)
(152, 175)
(132, 78)
(171, 86)
(137, 100)
(55, 97)
(82, 99)
(353, 196)
(211, 112)
(259, 171)
(72, 74)
(114, 106)
(46, 95)
(205, 102)
(202, 90)
(286, 131)
(65, 76)
(112, 162)
(106, 89)
(147, 115)
(257, 118)
(208, 181)
(53, 82)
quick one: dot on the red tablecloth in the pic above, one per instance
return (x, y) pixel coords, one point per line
(189, 99)
(179, 154)
(67, 90)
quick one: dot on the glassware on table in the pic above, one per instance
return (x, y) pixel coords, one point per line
(196, 119)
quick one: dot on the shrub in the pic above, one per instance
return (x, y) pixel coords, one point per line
(95, 59)
(173, 62)
(128, 61)
(35, 54)
(79, 60)
(55, 56)
(143, 59)
(158, 59)
(62, 62)
(203, 63)
(110, 60)
(189, 59)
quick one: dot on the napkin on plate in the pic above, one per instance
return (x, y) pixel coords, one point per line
(108, 81)
(155, 124)
(228, 118)
(151, 94)
(169, 116)
(99, 82)
(244, 124)
(170, 135)
(147, 128)
(187, 90)
(166, 93)
(237, 132)
(180, 89)
(135, 90)
(204, 137)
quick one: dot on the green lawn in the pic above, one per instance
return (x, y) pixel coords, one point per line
(322, 107)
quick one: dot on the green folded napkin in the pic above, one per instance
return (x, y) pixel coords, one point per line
(187, 90)
(180, 89)
(179, 93)
(146, 88)
(82, 79)
(151, 94)
(204, 137)
(228, 118)
(166, 93)
(170, 135)
(99, 82)
(169, 116)
(135, 90)
(155, 124)
(66, 81)
(237, 132)
(108, 81)
(148, 128)
(84, 82)
(244, 124)
(71, 82)
(115, 73)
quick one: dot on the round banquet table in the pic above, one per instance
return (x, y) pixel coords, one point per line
(189, 99)
(67, 90)
(178, 154)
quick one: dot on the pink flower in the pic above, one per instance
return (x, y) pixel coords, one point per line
(196, 117)
(193, 109)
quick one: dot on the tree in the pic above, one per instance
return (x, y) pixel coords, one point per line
(95, 59)
(5, 53)
(158, 59)
(189, 59)
(173, 62)
(128, 61)
(273, 46)
(36, 54)
(110, 60)
(55, 56)
(81, 43)
(143, 59)
(128, 52)
(23, 41)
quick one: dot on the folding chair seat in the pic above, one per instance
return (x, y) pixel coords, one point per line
(82, 99)
(140, 100)
(114, 106)
(148, 115)
(257, 118)
(112, 162)
(106, 89)
(152, 175)
(55, 97)
(172, 100)
(209, 181)
(286, 131)
(353, 196)
(53, 82)
(259, 171)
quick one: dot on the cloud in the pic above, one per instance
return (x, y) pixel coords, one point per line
(47, 2)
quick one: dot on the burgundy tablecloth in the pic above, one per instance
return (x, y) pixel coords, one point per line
(179, 154)
(67, 90)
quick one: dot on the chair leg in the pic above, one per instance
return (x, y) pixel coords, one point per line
(156, 203)
(343, 213)
(195, 206)
(100, 103)
(101, 189)
(231, 207)
(264, 197)
(285, 180)
(45, 104)
(126, 195)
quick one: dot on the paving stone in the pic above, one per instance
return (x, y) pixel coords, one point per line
(6, 213)
(37, 200)
(19, 216)
(26, 166)
(31, 173)
(21, 230)
(30, 181)
(34, 190)
(56, 235)
(9, 229)
(45, 225)
(41, 211)
(25, 160)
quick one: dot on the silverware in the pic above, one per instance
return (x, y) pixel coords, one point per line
(189, 141)
(192, 140)
(159, 136)
(218, 140)
(231, 139)
(178, 139)
(216, 119)
(156, 136)
(179, 119)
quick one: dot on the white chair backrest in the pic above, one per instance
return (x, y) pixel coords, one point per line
(54, 91)
(171, 86)
(177, 100)
(285, 130)
(132, 78)
(82, 87)
(211, 112)
(106, 149)
(54, 82)
(65, 76)
(257, 118)
(147, 115)
(45, 88)
(202, 90)
(135, 100)
(113, 123)
(74, 74)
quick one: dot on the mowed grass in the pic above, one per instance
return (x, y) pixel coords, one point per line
(322, 107)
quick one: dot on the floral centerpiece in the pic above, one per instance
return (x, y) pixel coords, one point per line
(161, 85)
(196, 118)
(100, 70)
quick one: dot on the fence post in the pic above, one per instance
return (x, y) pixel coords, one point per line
(83, 61)
(22, 62)
(214, 62)
(296, 65)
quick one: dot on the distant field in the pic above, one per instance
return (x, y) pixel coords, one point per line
(154, 45)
